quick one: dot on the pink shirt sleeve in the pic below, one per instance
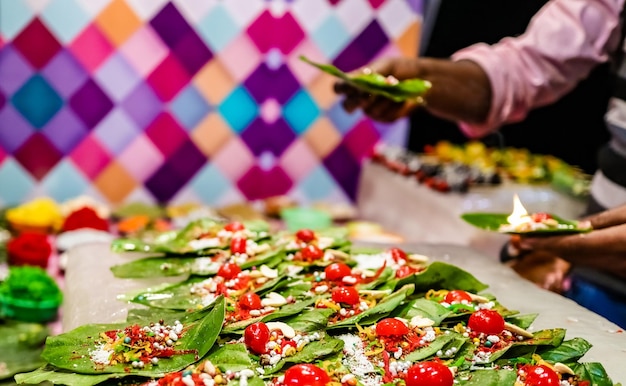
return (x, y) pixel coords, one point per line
(561, 45)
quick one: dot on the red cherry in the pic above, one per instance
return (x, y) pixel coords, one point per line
(347, 295)
(541, 216)
(305, 235)
(229, 271)
(234, 226)
(256, 337)
(541, 375)
(250, 301)
(457, 296)
(306, 375)
(404, 271)
(391, 327)
(238, 245)
(337, 271)
(486, 321)
(429, 374)
(398, 255)
(312, 252)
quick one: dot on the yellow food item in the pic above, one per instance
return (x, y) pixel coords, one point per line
(41, 212)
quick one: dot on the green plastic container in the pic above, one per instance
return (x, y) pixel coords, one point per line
(28, 310)
(301, 218)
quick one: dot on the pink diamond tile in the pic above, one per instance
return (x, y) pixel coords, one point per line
(361, 139)
(3, 154)
(166, 134)
(298, 160)
(144, 50)
(38, 155)
(240, 57)
(91, 48)
(304, 72)
(90, 157)
(234, 159)
(282, 32)
(168, 78)
(258, 183)
(141, 158)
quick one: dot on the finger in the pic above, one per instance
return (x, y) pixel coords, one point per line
(383, 109)
(342, 88)
(608, 218)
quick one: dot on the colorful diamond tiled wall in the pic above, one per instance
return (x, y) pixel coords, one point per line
(183, 100)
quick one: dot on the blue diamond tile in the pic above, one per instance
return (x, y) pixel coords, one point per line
(331, 36)
(239, 109)
(218, 28)
(64, 182)
(37, 101)
(14, 15)
(65, 18)
(318, 184)
(21, 184)
(341, 119)
(190, 107)
(300, 111)
(210, 184)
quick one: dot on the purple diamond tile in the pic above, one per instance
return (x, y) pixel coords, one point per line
(90, 103)
(14, 70)
(117, 77)
(258, 184)
(344, 169)
(65, 73)
(192, 52)
(170, 25)
(179, 168)
(142, 105)
(65, 130)
(166, 134)
(261, 136)
(362, 49)
(38, 156)
(14, 129)
(265, 83)
(3, 99)
(116, 131)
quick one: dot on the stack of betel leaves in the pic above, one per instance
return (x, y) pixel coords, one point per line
(307, 308)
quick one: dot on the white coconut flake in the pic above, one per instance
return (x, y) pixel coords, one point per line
(100, 355)
(357, 362)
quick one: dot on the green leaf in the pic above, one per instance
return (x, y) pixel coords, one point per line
(21, 345)
(384, 277)
(493, 221)
(569, 351)
(451, 339)
(379, 311)
(522, 321)
(376, 83)
(311, 320)
(62, 377)
(281, 313)
(234, 357)
(71, 351)
(548, 337)
(312, 351)
(426, 309)
(488, 378)
(593, 372)
(439, 275)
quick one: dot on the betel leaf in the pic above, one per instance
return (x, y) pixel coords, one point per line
(312, 351)
(493, 221)
(57, 376)
(426, 309)
(281, 313)
(379, 311)
(439, 275)
(522, 321)
(568, 351)
(376, 83)
(231, 356)
(310, 320)
(384, 277)
(21, 345)
(548, 337)
(150, 267)
(593, 372)
(450, 339)
(487, 378)
(72, 350)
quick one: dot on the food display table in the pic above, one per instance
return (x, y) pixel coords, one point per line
(420, 214)
(91, 297)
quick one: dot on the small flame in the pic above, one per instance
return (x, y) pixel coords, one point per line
(519, 214)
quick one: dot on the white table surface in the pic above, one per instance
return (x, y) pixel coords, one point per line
(91, 292)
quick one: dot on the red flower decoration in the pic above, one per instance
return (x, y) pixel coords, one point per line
(29, 249)
(85, 217)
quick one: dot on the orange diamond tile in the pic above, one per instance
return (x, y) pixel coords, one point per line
(408, 42)
(322, 137)
(214, 82)
(118, 22)
(115, 182)
(321, 88)
(211, 134)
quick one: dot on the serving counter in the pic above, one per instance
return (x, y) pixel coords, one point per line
(92, 290)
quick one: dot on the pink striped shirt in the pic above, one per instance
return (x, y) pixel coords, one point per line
(562, 44)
